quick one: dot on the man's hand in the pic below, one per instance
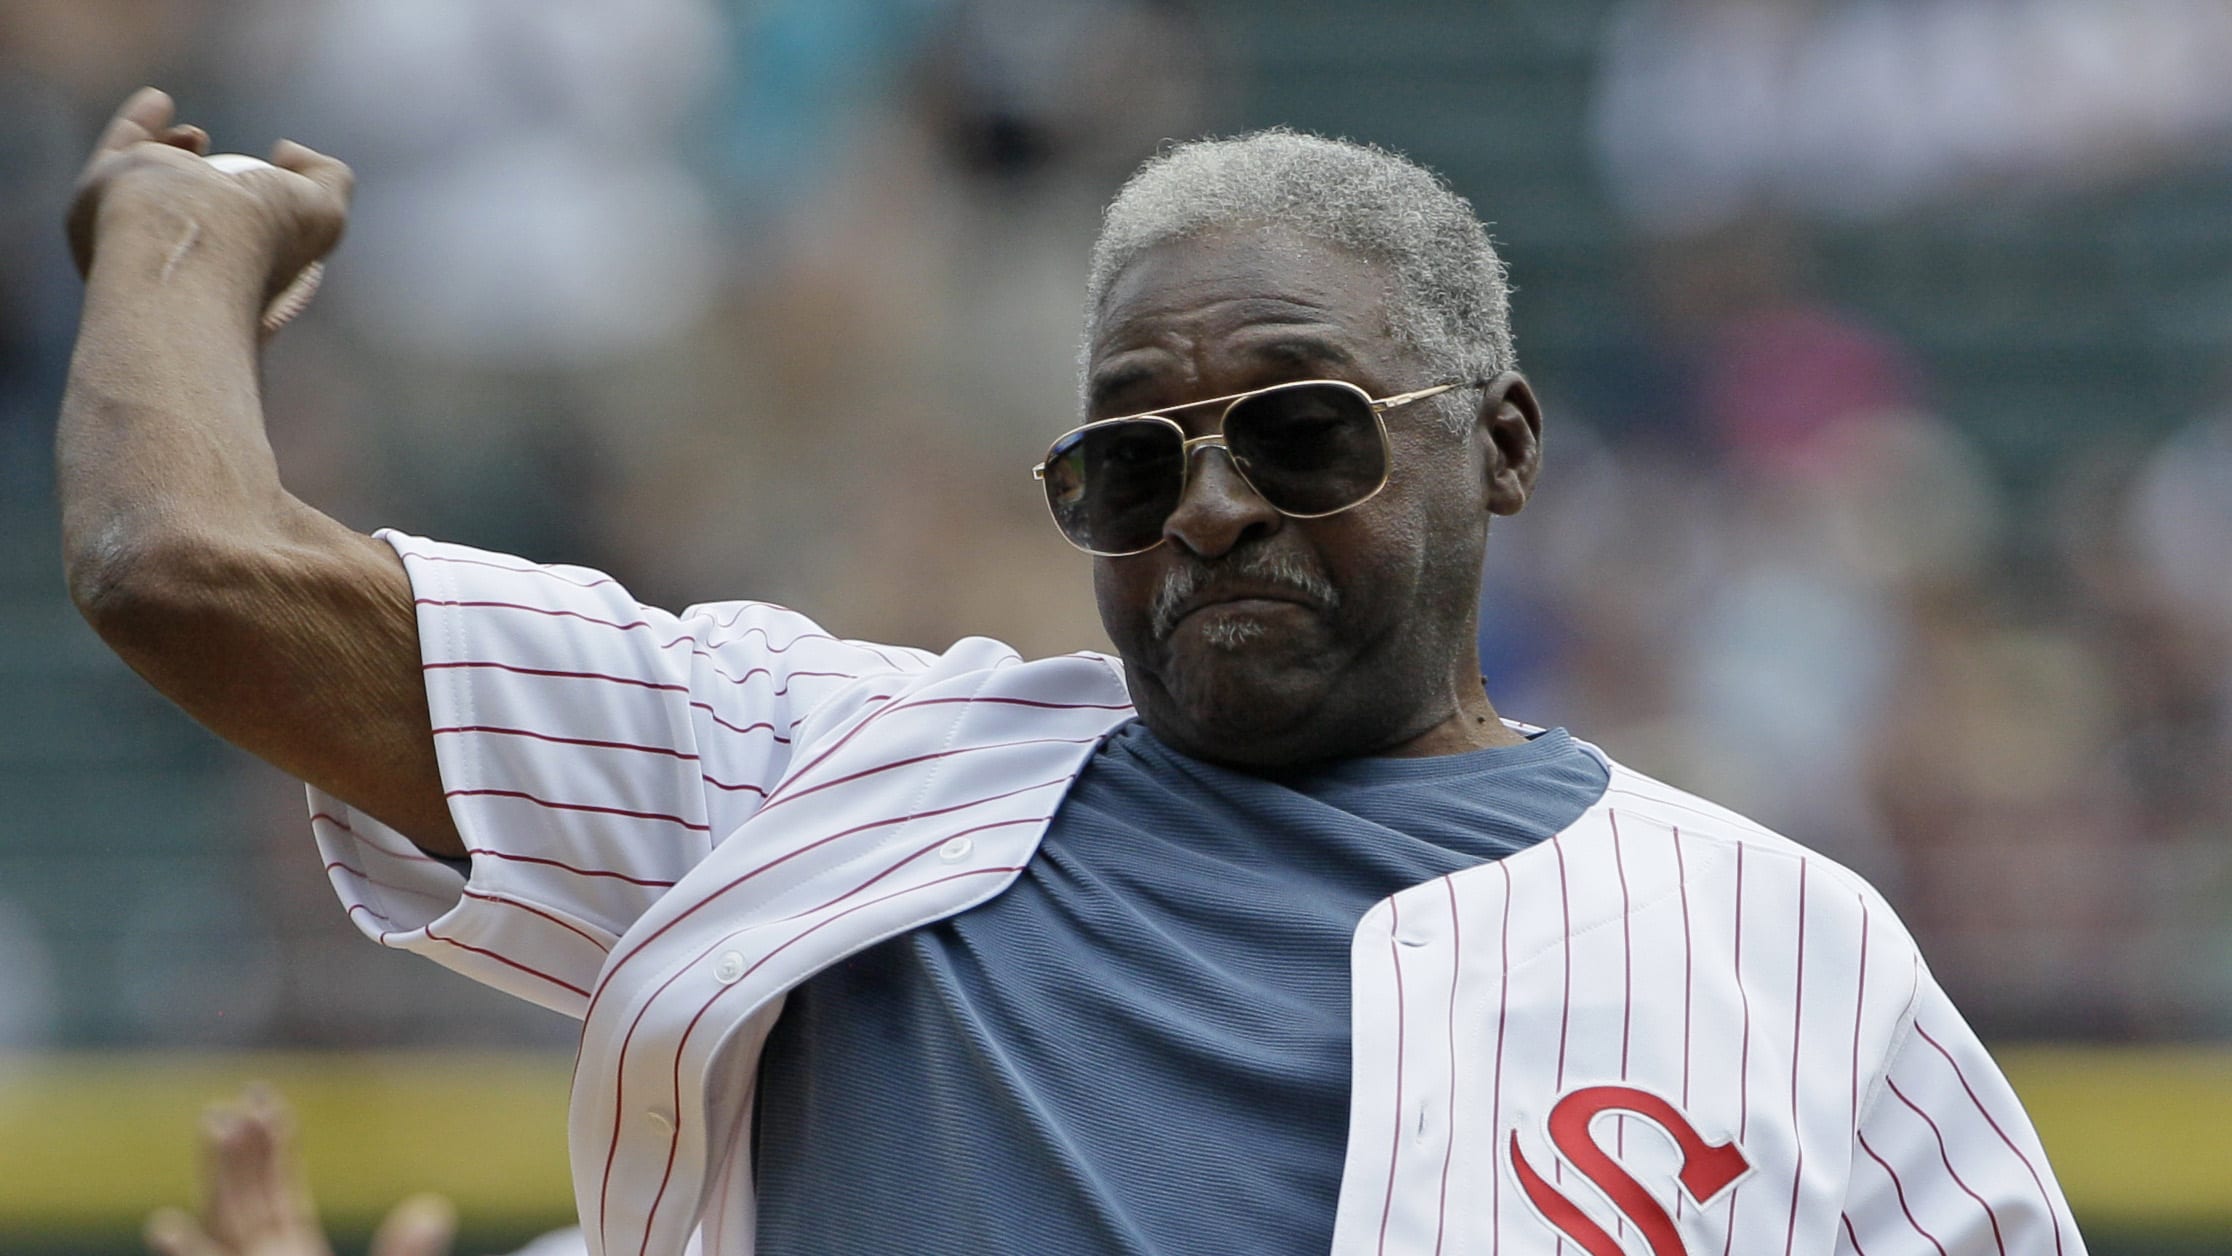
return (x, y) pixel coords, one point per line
(146, 178)
(256, 1201)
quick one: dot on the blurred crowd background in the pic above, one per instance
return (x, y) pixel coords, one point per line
(1886, 347)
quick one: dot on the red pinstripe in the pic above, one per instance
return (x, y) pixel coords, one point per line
(688, 756)
(1859, 1012)
(550, 611)
(412, 855)
(1947, 1159)
(878, 697)
(532, 910)
(667, 686)
(823, 756)
(674, 1137)
(579, 806)
(700, 648)
(1850, 1233)
(507, 856)
(1503, 1005)
(1797, 1053)
(507, 961)
(709, 899)
(1733, 821)
(1449, 1145)
(793, 795)
(1900, 1190)
(1627, 958)
(715, 716)
(1042, 705)
(1743, 1068)
(714, 666)
(786, 647)
(746, 608)
(520, 571)
(366, 877)
(1395, 1149)
(2028, 1167)
(1681, 882)
(1565, 1004)
(1627, 991)
(637, 681)
(590, 742)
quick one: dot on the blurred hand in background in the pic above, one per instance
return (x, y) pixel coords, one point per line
(256, 1199)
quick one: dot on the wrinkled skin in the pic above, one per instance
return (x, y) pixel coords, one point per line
(1256, 672)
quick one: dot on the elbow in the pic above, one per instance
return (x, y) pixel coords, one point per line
(134, 591)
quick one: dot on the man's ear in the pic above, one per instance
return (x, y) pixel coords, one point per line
(1511, 419)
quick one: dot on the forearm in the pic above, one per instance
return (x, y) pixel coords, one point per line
(278, 628)
(161, 449)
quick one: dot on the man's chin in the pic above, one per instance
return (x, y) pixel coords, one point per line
(1231, 701)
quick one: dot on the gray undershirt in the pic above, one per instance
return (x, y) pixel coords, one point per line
(1142, 1046)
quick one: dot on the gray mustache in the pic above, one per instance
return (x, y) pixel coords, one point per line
(1284, 571)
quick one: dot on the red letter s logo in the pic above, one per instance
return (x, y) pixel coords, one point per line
(1707, 1169)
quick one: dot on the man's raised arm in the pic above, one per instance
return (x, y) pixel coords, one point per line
(283, 631)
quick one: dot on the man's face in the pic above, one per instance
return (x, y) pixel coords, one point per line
(1250, 637)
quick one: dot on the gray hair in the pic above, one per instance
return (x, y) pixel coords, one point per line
(1449, 297)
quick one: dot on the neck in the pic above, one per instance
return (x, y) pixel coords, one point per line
(1472, 724)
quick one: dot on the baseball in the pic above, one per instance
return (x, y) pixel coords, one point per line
(295, 297)
(238, 163)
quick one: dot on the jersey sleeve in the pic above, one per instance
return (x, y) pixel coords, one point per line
(592, 749)
(1944, 1159)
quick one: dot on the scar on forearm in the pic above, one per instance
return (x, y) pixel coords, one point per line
(179, 251)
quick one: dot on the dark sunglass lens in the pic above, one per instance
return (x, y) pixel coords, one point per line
(1311, 449)
(1112, 486)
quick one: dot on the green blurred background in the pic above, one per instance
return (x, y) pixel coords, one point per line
(1885, 345)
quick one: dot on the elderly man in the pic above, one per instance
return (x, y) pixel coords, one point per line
(1268, 936)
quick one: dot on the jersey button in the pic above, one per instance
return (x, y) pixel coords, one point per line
(958, 848)
(729, 967)
(658, 1117)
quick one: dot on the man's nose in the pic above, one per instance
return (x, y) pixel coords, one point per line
(1219, 510)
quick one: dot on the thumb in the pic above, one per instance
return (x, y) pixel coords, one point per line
(422, 1225)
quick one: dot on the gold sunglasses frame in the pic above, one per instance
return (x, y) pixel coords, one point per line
(1216, 439)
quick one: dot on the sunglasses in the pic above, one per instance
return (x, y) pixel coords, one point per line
(1311, 448)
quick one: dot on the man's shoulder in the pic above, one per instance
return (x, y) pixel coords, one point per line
(1730, 840)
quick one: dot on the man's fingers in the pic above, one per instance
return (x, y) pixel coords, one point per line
(143, 114)
(187, 136)
(284, 1182)
(219, 1135)
(329, 173)
(423, 1225)
(172, 1232)
(256, 1187)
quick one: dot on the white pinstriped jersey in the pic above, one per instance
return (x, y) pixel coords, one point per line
(1665, 1032)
